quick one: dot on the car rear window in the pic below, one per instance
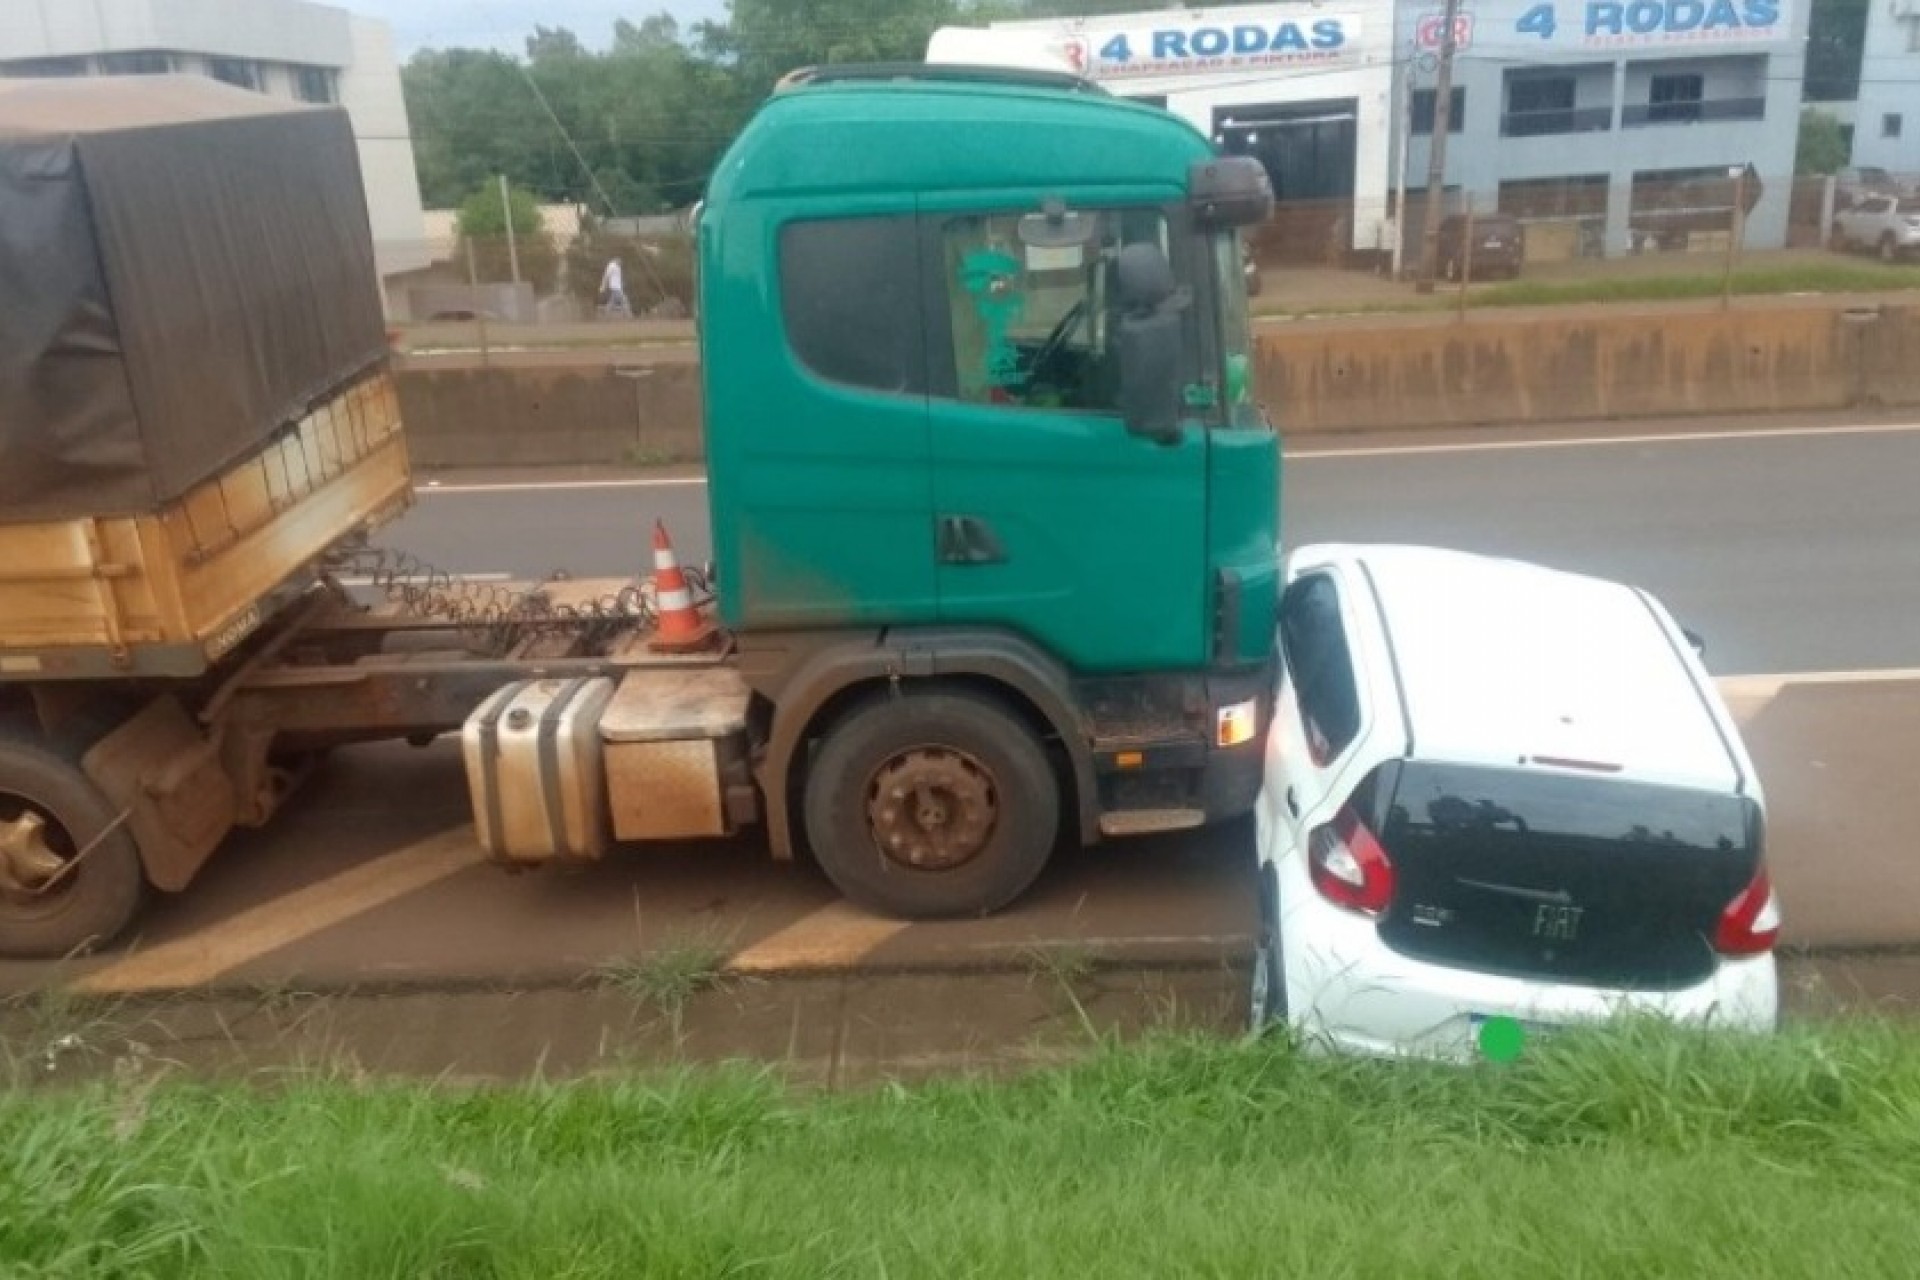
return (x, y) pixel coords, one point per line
(1542, 874)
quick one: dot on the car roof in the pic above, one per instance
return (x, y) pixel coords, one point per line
(1503, 662)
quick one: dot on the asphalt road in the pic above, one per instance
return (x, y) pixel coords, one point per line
(1792, 546)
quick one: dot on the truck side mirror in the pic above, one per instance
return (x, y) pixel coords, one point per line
(1149, 345)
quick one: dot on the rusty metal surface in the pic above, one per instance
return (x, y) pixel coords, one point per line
(671, 704)
(665, 790)
(167, 775)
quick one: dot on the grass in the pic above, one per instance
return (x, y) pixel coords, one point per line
(1811, 277)
(667, 978)
(1636, 1152)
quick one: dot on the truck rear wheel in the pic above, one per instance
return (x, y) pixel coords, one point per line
(932, 804)
(50, 813)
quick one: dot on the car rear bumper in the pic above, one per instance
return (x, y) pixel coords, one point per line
(1348, 992)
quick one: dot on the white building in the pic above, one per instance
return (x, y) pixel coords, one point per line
(286, 48)
(1886, 121)
(1604, 124)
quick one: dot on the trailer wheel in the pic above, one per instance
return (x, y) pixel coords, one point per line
(49, 813)
(932, 804)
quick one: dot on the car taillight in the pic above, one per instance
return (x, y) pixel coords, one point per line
(1349, 867)
(1751, 923)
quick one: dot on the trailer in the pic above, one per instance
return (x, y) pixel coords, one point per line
(961, 328)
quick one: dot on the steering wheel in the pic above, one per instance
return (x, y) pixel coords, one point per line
(1063, 329)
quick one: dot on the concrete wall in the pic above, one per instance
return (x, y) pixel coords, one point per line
(506, 417)
(1530, 368)
(1547, 368)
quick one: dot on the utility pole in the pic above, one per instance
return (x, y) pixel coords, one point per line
(1405, 115)
(1437, 149)
(513, 243)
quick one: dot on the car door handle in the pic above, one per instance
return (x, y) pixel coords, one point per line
(968, 540)
(1293, 802)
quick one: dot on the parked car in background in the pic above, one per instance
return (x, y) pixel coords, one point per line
(1888, 225)
(1484, 246)
(1496, 792)
(1852, 185)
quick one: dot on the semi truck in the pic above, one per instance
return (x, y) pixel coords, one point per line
(994, 505)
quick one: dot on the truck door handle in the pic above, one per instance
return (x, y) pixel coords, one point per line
(968, 540)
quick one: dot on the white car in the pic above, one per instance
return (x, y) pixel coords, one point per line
(1499, 798)
(1888, 225)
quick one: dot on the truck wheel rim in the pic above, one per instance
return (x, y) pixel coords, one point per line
(31, 845)
(932, 808)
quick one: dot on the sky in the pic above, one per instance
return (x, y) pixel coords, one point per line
(505, 24)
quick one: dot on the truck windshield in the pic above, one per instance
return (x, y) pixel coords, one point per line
(1236, 332)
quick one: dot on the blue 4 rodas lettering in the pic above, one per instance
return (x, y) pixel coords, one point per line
(1657, 17)
(1245, 40)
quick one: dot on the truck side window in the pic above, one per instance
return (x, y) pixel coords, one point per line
(1314, 641)
(1035, 327)
(850, 297)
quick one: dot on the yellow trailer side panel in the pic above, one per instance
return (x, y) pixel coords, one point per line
(168, 593)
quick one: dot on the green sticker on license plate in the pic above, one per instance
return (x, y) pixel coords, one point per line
(1500, 1039)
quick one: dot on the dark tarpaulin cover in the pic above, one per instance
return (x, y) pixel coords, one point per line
(184, 267)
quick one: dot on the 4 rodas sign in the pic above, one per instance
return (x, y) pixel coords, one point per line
(1637, 22)
(1256, 38)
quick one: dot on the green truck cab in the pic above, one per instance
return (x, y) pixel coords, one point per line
(995, 511)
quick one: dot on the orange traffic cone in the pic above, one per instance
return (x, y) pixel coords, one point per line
(682, 627)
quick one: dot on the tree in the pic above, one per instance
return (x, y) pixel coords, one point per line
(482, 223)
(1823, 147)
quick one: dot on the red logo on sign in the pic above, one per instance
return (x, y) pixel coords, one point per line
(1076, 51)
(1430, 31)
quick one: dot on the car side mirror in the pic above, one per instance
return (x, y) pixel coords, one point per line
(1698, 645)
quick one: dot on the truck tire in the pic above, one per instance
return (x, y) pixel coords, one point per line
(928, 805)
(50, 811)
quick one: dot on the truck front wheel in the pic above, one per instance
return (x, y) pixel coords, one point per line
(70, 879)
(924, 805)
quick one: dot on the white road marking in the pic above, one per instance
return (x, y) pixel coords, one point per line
(837, 936)
(1596, 442)
(200, 958)
(432, 489)
(536, 486)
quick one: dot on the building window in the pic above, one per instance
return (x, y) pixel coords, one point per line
(143, 63)
(44, 68)
(1577, 196)
(235, 71)
(1890, 125)
(1675, 99)
(850, 296)
(313, 84)
(1424, 101)
(1541, 105)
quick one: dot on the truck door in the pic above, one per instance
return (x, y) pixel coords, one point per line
(817, 419)
(1050, 518)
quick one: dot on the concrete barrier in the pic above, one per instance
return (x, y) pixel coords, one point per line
(1403, 373)
(593, 414)
(1543, 367)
